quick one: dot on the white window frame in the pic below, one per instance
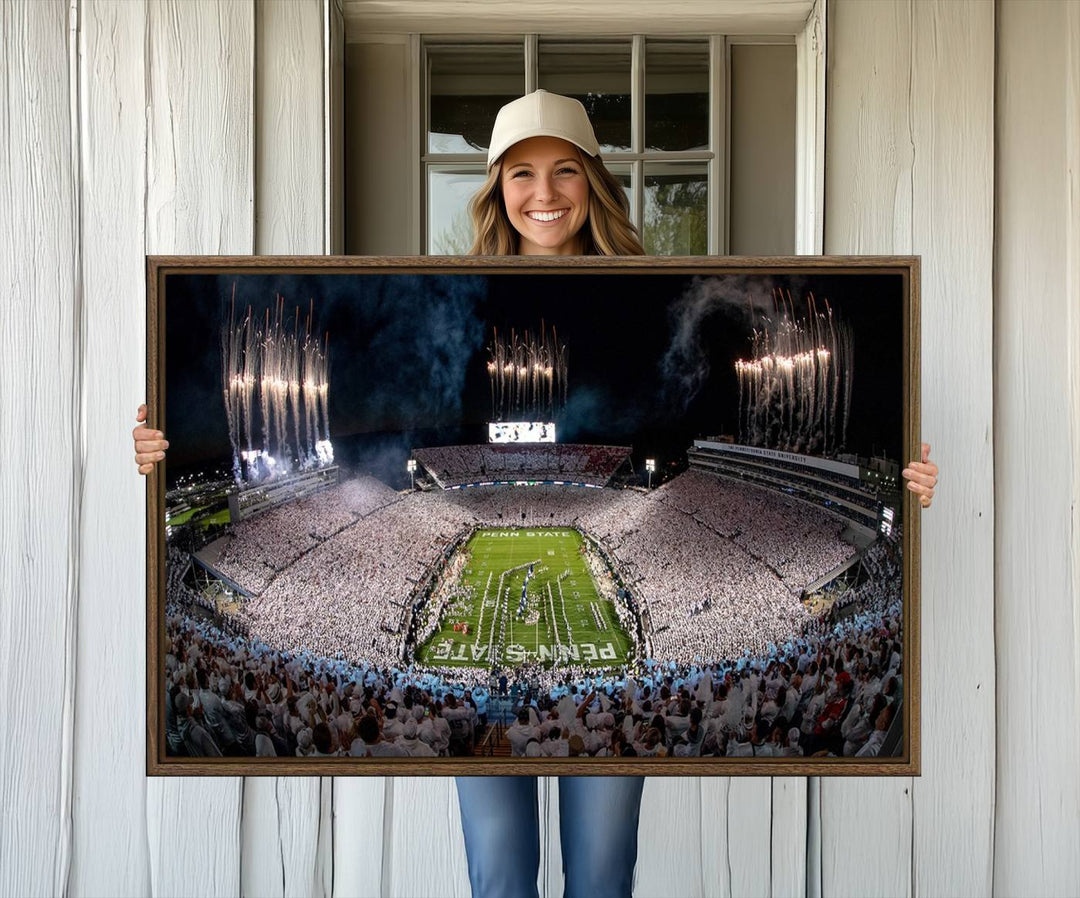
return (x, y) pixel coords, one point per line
(809, 41)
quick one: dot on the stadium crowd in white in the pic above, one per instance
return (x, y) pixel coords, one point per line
(334, 573)
(331, 576)
(831, 691)
(456, 465)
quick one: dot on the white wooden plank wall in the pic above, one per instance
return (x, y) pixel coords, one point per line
(1037, 371)
(423, 848)
(199, 197)
(868, 159)
(109, 814)
(282, 823)
(910, 170)
(199, 128)
(952, 224)
(40, 432)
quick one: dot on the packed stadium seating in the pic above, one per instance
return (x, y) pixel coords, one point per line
(459, 465)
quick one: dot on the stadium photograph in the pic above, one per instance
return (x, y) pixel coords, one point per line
(547, 516)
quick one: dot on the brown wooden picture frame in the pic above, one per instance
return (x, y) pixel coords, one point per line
(163, 295)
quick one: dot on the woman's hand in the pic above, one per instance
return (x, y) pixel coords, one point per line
(150, 445)
(922, 477)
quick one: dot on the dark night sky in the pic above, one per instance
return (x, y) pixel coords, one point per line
(408, 355)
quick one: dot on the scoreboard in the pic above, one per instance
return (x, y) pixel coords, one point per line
(521, 432)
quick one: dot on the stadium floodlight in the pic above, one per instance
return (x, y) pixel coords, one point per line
(410, 466)
(650, 466)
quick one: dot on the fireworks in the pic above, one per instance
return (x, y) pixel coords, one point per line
(795, 391)
(528, 376)
(275, 382)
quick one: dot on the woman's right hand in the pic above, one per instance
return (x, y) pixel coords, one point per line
(150, 445)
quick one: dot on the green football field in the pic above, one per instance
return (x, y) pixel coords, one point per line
(566, 619)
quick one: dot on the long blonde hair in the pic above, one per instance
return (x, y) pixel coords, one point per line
(608, 230)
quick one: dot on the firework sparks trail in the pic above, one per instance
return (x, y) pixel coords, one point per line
(232, 383)
(528, 375)
(272, 375)
(795, 389)
(293, 374)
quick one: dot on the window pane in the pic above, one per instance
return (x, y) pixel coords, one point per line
(449, 191)
(676, 209)
(467, 84)
(597, 74)
(676, 95)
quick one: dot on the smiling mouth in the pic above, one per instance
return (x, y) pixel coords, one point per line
(554, 215)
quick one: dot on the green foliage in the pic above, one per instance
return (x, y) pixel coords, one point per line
(676, 217)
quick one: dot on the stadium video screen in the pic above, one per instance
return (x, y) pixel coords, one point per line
(521, 432)
(562, 516)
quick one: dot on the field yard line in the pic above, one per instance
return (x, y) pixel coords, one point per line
(554, 622)
(495, 618)
(566, 620)
(603, 617)
(483, 602)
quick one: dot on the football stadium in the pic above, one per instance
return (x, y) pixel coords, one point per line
(526, 596)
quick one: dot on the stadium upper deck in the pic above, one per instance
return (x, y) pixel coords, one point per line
(455, 466)
(835, 486)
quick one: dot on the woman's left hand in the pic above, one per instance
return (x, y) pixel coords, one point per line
(921, 477)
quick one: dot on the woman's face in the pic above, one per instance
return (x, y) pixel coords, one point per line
(546, 195)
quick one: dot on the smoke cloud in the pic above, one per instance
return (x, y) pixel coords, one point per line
(685, 366)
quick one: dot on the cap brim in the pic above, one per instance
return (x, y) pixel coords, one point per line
(496, 152)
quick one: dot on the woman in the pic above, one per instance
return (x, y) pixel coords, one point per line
(548, 193)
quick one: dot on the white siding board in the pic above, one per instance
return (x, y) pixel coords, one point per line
(38, 410)
(788, 838)
(868, 195)
(1036, 369)
(669, 839)
(109, 811)
(866, 838)
(199, 181)
(953, 230)
(199, 200)
(551, 875)
(324, 852)
(737, 854)
(289, 130)
(283, 816)
(360, 812)
(914, 174)
(193, 829)
(424, 855)
(749, 831)
(715, 870)
(280, 837)
(813, 837)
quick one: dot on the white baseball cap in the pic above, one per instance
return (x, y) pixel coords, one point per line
(541, 114)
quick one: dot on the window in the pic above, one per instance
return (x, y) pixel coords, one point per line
(660, 111)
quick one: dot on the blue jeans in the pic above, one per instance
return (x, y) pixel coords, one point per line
(598, 823)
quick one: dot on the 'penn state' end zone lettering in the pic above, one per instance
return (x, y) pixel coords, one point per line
(541, 534)
(518, 654)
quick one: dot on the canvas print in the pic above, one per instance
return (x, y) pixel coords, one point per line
(565, 519)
